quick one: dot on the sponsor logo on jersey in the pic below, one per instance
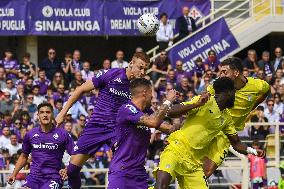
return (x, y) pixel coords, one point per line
(49, 146)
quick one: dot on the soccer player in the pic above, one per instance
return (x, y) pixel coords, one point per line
(114, 92)
(46, 144)
(181, 158)
(133, 135)
(250, 92)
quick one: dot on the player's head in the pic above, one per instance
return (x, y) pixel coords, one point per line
(232, 68)
(45, 113)
(225, 90)
(138, 65)
(141, 89)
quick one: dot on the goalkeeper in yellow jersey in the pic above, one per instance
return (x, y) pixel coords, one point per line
(181, 159)
(250, 92)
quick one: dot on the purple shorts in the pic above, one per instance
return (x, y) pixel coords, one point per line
(125, 181)
(42, 183)
(92, 138)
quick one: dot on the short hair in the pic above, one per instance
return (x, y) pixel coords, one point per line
(223, 84)
(27, 55)
(211, 51)
(265, 53)
(68, 55)
(139, 82)
(41, 70)
(58, 101)
(260, 108)
(163, 14)
(44, 104)
(255, 143)
(8, 79)
(143, 56)
(198, 59)
(234, 63)
(35, 86)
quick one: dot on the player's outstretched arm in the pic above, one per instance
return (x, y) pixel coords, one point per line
(22, 161)
(168, 128)
(86, 87)
(154, 120)
(242, 148)
(180, 109)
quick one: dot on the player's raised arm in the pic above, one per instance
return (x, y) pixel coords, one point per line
(22, 161)
(154, 120)
(181, 109)
(86, 87)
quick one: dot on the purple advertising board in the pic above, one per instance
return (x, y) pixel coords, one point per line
(121, 16)
(65, 17)
(217, 37)
(13, 17)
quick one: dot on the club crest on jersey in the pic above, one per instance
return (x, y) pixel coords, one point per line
(249, 98)
(35, 135)
(55, 136)
(76, 148)
(222, 120)
(132, 108)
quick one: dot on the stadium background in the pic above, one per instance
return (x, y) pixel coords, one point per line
(256, 15)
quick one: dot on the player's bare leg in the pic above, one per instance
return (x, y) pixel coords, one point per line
(209, 166)
(163, 180)
(74, 168)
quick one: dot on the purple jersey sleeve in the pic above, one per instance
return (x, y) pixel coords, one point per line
(101, 79)
(132, 114)
(27, 146)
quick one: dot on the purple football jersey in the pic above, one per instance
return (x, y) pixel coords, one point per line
(47, 150)
(43, 85)
(132, 141)
(10, 65)
(114, 91)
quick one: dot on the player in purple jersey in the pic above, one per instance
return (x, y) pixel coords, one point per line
(46, 144)
(114, 91)
(133, 135)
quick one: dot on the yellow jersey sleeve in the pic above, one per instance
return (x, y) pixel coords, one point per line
(263, 86)
(193, 101)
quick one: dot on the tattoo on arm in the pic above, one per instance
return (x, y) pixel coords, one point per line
(155, 119)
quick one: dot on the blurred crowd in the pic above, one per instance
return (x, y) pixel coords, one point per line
(24, 85)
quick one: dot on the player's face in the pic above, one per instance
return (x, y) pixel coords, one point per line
(45, 115)
(138, 68)
(227, 72)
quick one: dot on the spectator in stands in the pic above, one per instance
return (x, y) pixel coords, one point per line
(17, 106)
(212, 63)
(78, 128)
(7, 121)
(5, 137)
(6, 104)
(185, 23)
(31, 107)
(50, 64)
(257, 169)
(87, 74)
(259, 132)
(58, 78)
(278, 104)
(203, 86)
(68, 128)
(119, 62)
(60, 94)
(58, 105)
(28, 67)
(139, 49)
(10, 87)
(90, 110)
(26, 119)
(260, 74)
(20, 177)
(20, 95)
(265, 65)
(10, 64)
(13, 146)
(180, 73)
(76, 110)
(68, 67)
(198, 71)
(16, 128)
(269, 112)
(106, 64)
(171, 77)
(78, 80)
(156, 144)
(277, 62)
(29, 85)
(165, 34)
(246, 72)
(77, 61)
(43, 82)
(250, 62)
(184, 87)
(37, 97)
(161, 66)
(2, 78)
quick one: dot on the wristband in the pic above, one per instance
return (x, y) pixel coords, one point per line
(168, 103)
(251, 151)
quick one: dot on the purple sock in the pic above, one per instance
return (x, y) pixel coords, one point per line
(74, 179)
